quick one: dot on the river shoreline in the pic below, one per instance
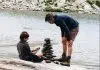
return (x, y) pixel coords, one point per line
(17, 64)
(14, 22)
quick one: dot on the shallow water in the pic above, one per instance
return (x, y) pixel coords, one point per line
(86, 45)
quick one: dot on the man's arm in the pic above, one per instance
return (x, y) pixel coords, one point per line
(62, 32)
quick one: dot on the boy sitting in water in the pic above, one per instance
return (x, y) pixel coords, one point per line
(24, 49)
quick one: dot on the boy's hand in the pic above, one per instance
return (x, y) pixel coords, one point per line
(40, 55)
(36, 49)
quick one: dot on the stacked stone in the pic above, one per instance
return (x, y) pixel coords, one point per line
(47, 49)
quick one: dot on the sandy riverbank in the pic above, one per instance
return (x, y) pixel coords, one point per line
(17, 64)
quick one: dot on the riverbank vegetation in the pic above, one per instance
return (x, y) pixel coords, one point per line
(80, 6)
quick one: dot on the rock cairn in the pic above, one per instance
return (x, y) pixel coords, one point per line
(48, 50)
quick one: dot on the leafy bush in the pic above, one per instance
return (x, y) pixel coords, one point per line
(90, 2)
(98, 3)
(47, 2)
(50, 9)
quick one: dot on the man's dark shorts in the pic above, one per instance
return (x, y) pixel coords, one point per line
(74, 33)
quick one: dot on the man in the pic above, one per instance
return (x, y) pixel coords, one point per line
(24, 50)
(69, 29)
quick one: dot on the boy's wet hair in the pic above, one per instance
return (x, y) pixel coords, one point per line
(47, 17)
(24, 35)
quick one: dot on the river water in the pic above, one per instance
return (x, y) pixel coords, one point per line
(86, 45)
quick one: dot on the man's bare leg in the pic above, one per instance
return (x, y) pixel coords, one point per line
(64, 43)
(70, 43)
(66, 61)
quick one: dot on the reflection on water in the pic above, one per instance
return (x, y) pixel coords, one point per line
(86, 46)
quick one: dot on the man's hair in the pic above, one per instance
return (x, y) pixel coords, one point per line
(24, 35)
(47, 17)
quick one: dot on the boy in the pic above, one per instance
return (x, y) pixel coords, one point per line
(24, 50)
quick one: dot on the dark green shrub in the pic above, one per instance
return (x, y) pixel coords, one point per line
(48, 2)
(98, 3)
(50, 9)
(90, 2)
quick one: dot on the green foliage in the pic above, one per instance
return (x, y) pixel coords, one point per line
(50, 9)
(55, 5)
(98, 3)
(47, 2)
(90, 2)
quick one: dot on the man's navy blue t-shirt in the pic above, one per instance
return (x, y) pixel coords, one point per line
(66, 24)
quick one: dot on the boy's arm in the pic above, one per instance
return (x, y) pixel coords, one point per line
(35, 50)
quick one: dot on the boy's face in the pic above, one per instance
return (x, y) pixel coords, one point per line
(51, 21)
(26, 39)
